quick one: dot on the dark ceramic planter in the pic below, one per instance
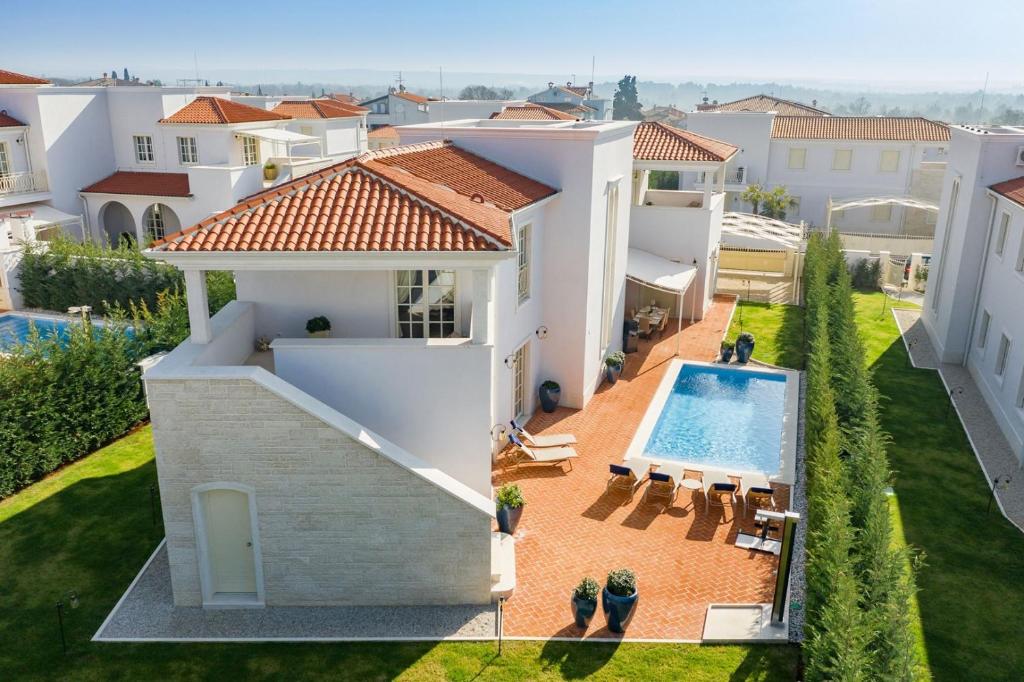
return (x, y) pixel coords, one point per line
(744, 350)
(726, 354)
(612, 373)
(549, 398)
(508, 519)
(583, 611)
(618, 610)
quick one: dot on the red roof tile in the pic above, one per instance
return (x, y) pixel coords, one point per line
(405, 94)
(318, 108)
(11, 78)
(219, 110)
(344, 99)
(765, 103)
(384, 132)
(893, 128)
(147, 184)
(8, 121)
(532, 112)
(655, 141)
(1011, 189)
(411, 198)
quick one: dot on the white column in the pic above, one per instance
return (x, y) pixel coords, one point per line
(480, 332)
(720, 185)
(198, 306)
(706, 202)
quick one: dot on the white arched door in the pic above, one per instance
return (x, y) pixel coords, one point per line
(228, 546)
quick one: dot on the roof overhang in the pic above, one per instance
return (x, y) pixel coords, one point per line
(327, 260)
(279, 135)
(641, 164)
(40, 215)
(654, 271)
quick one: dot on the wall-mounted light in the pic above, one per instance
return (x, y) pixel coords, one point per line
(542, 332)
(510, 361)
(498, 432)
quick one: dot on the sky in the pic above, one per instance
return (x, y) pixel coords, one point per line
(933, 44)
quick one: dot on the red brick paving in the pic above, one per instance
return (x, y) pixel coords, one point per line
(571, 527)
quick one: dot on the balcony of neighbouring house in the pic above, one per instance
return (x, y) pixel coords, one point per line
(16, 188)
(735, 179)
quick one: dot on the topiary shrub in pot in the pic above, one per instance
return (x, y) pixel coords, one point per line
(744, 346)
(319, 327)
(584, 601)
(270, 171)
(619, 598)
(727, 348)
(550, 393)
(613, 366)
(509, 502)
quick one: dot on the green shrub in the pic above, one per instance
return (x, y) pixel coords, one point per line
(509, 495)
(616, 359)
(318, 324)
(587, 589)
(621, 582)
(867, 273)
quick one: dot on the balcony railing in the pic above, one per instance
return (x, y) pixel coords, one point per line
(21, 183)
(733, 176)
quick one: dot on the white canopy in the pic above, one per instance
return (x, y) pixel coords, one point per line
(750, 231)
(39, 215)
(280, 135)
(661, 273)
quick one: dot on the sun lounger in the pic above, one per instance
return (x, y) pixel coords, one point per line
(717, 488)
(550, 440)
(629, 475)
(553, 455)
(664, 483)
(757, 492)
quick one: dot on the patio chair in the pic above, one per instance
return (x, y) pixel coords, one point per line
(664, 483)
(716, 492)
(645, 327)
(758, 497)
(628, 476)
(554, 455)
(550, 440)
(661, 324)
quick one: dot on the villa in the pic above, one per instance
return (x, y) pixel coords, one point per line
(577, 100)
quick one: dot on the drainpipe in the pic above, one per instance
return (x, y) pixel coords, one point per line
(86, 223)
(981, 279)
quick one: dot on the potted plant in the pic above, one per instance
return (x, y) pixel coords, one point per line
(744, 346)
(584, 601)
(270, 171)
(613, 366)
(509, 502)
(319, 327)
(550, 393)
(619, 598)
(262, 344)
(727, 348)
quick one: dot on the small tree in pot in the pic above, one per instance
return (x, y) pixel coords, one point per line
(509, 502)
(319, 327)
(613, 366)
(584, 601)
(550, 393)
(727, 348)
(270, 171)
(619, 598)
(744, 346)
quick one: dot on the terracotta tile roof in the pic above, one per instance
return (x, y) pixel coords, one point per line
(765, 103)
(386, 132)
(578, 90)
(895, 128)
(405, 94)
(11, 78)
(219, 110)
(532, 112)
(410, 198)
(655, 141)
(1011, 189)
(318, 108)
(344, 99)
(148, 184)
(569, 107)
(8, 121)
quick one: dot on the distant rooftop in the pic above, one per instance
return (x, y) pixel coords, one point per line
(893, 128)
(532, 112)
(318, 108)
(763, 104)
(217, 110)
(12, 78)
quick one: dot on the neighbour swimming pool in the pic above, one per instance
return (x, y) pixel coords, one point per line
(721, 418)
(15, 328)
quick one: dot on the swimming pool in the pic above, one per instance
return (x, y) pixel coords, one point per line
(15, 328)
(722, 418)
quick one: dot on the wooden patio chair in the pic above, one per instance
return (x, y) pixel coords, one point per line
(628, 476)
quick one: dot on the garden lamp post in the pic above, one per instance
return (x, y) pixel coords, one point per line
(956, 390)
(83, 310)
(72, 599)
(1000, 483)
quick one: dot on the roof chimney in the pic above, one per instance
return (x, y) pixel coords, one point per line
(568, 84)
(551, 84)
(814, 102)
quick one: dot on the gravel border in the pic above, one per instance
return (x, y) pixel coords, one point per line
(146, 612)
(797, 579)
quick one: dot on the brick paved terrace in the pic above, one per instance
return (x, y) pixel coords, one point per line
(571, 527)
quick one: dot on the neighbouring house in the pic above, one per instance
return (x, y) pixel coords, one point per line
(382, 137)
(457, 273)
(764, 104)
(400, 107)
(340, 129)
(669, 115)
(532, 112)
(578, 100)
(972, 309)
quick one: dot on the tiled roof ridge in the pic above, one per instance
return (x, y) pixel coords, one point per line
(716, 149)
(218, 105)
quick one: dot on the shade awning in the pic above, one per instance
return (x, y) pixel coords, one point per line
(280, 135)
(39, 215)
(661, 273)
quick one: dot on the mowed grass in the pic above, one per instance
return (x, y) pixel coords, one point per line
(88, 528)
(972, 582)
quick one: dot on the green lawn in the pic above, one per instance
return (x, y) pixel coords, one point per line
(88, 528)
(972, 584)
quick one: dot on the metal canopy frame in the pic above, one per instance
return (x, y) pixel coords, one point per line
(753, 226)
(868, 202)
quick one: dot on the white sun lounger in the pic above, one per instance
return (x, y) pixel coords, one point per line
(552, 455)
(551, 440)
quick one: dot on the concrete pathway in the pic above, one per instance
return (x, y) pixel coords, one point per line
(990, 446)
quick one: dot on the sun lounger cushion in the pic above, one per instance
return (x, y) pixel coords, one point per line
(765, 491)
(515, 439)
(660, 478)
(723, 487)
(619, 470)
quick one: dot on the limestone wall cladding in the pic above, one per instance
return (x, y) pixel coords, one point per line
(339, 524)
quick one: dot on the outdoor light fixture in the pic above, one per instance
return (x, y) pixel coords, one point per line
(498, 432)
(542, 332)
(72, 600)
(83, 310)
(510, 361)
(998, 483)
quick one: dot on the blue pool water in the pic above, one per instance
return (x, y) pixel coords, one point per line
(15, 329)
(724, 418)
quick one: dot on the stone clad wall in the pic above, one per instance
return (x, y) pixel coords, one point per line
(339, 524)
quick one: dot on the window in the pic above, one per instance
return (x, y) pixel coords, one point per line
(611, 227)
(155, 222)
(143, 149)
(797, 159)
(426, 303)
(520, 364)
(1004, 228)
(889, 161)
(986, 320)
(187, 151)
(250, 151)
(1001, 357)
(306, 130)
(794, 208)
(841, 159)
(524, 263)
(5, 159)
(881, 213)
(1020, 392)
(954, 194)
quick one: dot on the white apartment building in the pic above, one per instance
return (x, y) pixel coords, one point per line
(826, 161)
(577, 100)
(973, 310)
(400, 107)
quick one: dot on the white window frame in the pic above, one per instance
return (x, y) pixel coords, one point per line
(1002, 355)
(425, 285)
(5, 158)
(986, 322)
(883, 167)
(803, 158)
(835, 159)
(875, 218)
(143, 146)
(154, 223)
(520, 378)
(188, 151)
(524, 271)
(1002, 232)
(250, 151)
(611, 229)
(306, 130)
(793, 210)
